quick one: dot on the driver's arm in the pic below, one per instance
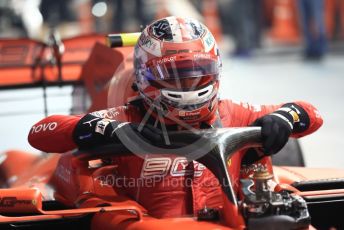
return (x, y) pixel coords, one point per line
(305, 117)
(60, 133)
(294, 119)
(244, 114)
(54, 133)
(278, 122)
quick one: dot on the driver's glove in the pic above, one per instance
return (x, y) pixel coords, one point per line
(276, 129)
(279, 125)
(92, 131)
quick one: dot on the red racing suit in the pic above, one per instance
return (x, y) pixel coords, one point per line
(183, 188)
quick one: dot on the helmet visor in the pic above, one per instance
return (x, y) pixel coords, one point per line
(186, 71)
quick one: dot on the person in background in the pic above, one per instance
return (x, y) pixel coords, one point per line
(246, 26)
(313, 27)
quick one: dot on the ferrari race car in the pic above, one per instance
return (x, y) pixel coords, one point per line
(75, 189)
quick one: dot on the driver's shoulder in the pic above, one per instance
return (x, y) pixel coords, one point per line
(234, 104)
(229, 105)
(234, 109)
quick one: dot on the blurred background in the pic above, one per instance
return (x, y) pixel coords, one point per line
(273, 51)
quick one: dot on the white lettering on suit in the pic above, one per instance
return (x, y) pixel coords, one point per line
(44, 127)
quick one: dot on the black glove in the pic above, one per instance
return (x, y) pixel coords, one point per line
(93, 131)
(276, 129)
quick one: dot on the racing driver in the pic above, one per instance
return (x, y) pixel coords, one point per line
(177, 74)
